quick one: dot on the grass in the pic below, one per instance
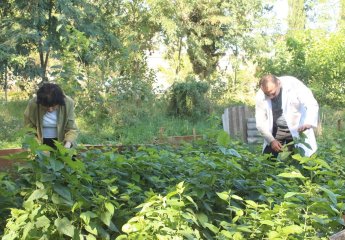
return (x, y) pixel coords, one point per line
(143, 126)
(137, 128)
(11, 122)
(129, 128)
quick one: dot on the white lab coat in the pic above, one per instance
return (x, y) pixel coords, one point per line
(299, 107)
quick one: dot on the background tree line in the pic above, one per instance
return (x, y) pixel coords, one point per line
(98, 50)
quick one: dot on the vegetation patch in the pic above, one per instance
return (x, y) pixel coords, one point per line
(212, 189)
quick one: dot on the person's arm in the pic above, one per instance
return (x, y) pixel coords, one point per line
(30, 120)
(311, 106)
(29, 115)
(261, 119)
(71, 129)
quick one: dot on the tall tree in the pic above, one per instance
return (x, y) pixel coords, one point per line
(296, 15)
(206, 28)
(341, 24)
(41, 29)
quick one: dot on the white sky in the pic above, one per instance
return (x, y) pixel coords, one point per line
(324, 14)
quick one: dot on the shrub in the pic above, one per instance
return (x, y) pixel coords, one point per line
(187, 99)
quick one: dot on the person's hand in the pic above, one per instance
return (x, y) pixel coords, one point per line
(304, 127)
(276, 146)
(68, 144)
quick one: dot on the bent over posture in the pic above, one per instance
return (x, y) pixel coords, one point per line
(51, 114)
(284, 107)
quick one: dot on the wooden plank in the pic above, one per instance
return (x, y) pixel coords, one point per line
(338, 236)
(6, 163)
(235, 121)
(253, 134)
(251, 120)
(251, 126)
(225, 120)
(241, 130)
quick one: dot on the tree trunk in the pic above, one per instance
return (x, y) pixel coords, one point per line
(6, 83)
(341, 23)
(44, 56)
(296, 15)
(179, 56)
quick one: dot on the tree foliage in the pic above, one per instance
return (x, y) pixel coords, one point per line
(98, 49)
(297, 14)
(326, 63)
(315, 58)
(188, 99)
(206, 29)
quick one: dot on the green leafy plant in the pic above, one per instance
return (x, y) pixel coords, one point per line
(187, 99)
(204, 190)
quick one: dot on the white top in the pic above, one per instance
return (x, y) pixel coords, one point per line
(50, 124)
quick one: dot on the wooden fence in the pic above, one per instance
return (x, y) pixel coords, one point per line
(239, 123)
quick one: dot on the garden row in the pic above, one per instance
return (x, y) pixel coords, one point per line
(212, 189)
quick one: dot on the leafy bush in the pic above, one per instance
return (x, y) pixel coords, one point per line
(316, 58)
(11, 122)
(205, 190)
(187, 99)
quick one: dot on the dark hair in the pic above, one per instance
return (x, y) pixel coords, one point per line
(50, 94)
(266, 79)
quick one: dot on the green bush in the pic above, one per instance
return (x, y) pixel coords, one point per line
(11, 122)
(211, 189)
(188, 99)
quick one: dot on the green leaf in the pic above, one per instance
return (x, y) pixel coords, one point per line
(290, 194)
(175, 202)
(180, 187)
(106, 219)
(92, 228)
(202, 218)
(42, 222)
(223, 195)
(56, 199)
(252, 204)
(213, 228)
(110, 207)
(284, 155)
(267, 222)
(37, 194)
(223, 139)
(293, 229)
(77, 205)
(64, 226)
(238, 236)
(294, 174)
(122, 237)
(330, 194)
(226, 234)
(63, 191)
(58, 27)
(236, 197)
(323, 163)
(90, 237)
(129, 228)
(28, 227)
(86, 216)
(244, 228)
(113, 189)
(192, 201)
(56, 165)
(29, 205)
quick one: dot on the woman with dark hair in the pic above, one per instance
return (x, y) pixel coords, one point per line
(51, 114)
